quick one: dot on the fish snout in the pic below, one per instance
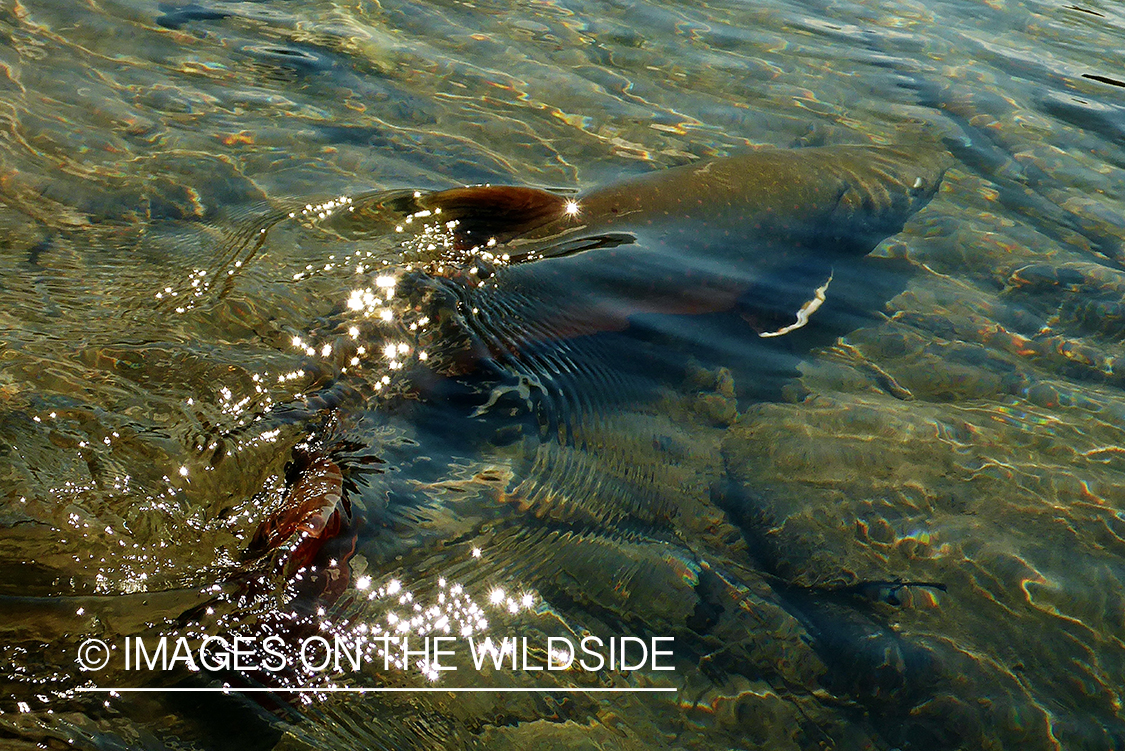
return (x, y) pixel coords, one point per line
(882, 187)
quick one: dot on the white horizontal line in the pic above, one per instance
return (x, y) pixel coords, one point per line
(376, 689)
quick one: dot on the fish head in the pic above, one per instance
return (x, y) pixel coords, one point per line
(880, 188)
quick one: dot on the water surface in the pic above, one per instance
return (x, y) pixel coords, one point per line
(954, 418)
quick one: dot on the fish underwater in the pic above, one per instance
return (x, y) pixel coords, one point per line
(529, 422)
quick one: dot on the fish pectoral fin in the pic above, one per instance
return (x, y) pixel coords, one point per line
(808, 307)
(521, 390)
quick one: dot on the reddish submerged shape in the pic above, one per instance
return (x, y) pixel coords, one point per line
(313, 514)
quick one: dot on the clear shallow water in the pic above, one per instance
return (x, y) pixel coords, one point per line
(956, 419)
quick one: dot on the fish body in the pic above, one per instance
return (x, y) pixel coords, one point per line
(759, 232)
(535, 267)
(826, 200)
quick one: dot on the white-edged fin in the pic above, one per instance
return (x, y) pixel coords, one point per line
(521, 390)
(803, 314)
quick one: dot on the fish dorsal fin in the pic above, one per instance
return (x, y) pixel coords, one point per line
(495, 212)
